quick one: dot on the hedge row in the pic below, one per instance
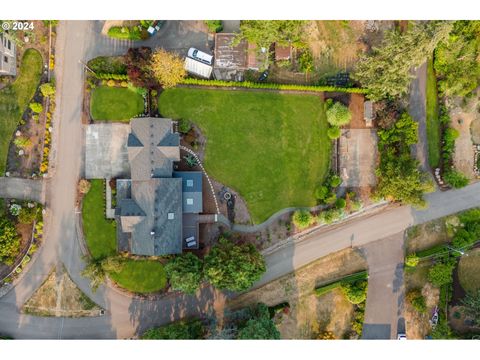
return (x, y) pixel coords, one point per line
(108, 76)
(362, 275)
(254, 85)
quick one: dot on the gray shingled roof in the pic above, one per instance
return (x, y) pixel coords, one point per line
(192, 190)
(152, 148)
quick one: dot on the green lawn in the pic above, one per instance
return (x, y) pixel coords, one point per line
(14, 100)
(141, 276)
(272, 148)
(117, 104)
(469, 271)
(100, 233)
(433, 119)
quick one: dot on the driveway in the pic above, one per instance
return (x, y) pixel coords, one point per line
(385, 297)
(23, 189)
(417, 109)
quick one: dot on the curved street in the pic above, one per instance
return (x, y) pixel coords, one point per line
(126, 316)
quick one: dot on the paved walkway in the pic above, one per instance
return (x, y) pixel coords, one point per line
(386, 294)
(23, 189)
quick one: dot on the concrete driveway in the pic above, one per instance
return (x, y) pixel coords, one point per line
(22, 189)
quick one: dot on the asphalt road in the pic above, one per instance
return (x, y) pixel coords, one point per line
(125, 316)
(24, 189)
(385, 296)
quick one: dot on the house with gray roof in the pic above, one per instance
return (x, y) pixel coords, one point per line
(152, 199)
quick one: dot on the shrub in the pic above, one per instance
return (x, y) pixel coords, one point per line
(84, 186)
(334, 132)
(440, 274)
(47, 89)
(9, 241)
(15, 209)
(412, 260)
(417, 300)
(338, 114)
(36, 107)
(305, 61)
(184, 126)
(28, 215)
(302, 219)
(214, 25)
(331, 198)
(321, 192)
(22, 142)
(455, 178)
(340, 203)
(185, 273)
(335, 181)
(355, 292)
(111, 83)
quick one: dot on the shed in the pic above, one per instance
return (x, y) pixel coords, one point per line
(198, 68)
(282, 52)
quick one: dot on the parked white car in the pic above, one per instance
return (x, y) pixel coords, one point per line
(200, 56)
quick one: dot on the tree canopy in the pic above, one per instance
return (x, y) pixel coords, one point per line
(233, 267)
(185, 273)
(263, 33)
(258, 325)
(167, 68)
(471, 306)
(456, 62)
(181, 330)
(386, 71)
(399, 178)
(440, 274)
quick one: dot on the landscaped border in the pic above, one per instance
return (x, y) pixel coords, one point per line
(361, 275)
(270, 86)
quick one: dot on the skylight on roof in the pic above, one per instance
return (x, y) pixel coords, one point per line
(189, 201)
(189, 183)
(171, 216)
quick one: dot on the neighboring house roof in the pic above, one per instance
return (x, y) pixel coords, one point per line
(192, 191)
(8, 61)
(242, 56)
(282, 52)
(198, 68)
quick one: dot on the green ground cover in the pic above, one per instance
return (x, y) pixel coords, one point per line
(14, 100)
(433, 119)
(116, 104)
(272, 148)
(100, 233)
(141, 276)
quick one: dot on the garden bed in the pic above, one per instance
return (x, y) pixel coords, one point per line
(15, 98)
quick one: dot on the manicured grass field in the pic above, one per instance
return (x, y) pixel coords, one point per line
(433, 119)
(469, 271)
(117, 104)
(100, 233)
(141, 276)
(272, 148)
(14, 100)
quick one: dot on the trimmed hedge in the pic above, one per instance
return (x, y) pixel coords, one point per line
(362, 275)
(254, 85)
(109, 76)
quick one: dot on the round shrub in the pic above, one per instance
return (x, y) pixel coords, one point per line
(412, 260)
(334, 132)
(302, 219)
(355, 292)
(338, 114)
(335, 181)
(340, 203)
